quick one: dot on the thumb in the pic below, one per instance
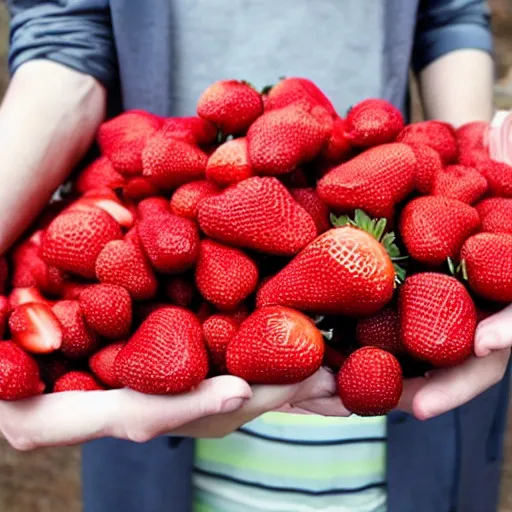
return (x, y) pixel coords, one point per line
(494, 333)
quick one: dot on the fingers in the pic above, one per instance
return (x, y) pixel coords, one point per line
(446, 389)
(494, 333)
(330, 406)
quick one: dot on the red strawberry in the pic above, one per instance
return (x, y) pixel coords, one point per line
(190, 129)
(275, 345)
(21, 296)
(4, 274)
(488, 263)
(259, 214)
(102, 364)
(458, 182)
(381, 330)
(170, 242)
(169, 162)
(180, 291)
(19, 373)
(35, 328)
(374, 181)
(370, 382)
(271, 149)
(77, 340)
(231, 105)
(5, 310)
(107, 310)
(499, 178)
(472, 136)
(139, 188)
(123, 138)
(152, 206)
(344, 271)
(436, 134)
(71, 290)
(218, 330)
(74, 239)
(338, 148)
(309, 200)
(166, 355)
(434, 228)
(229, 163)
(77, 381)
(428, 166)
(496, 215)
(225, 276)
(437, 319)
(99, 174)
(123, 263)
(185, 201)
(373, 122)
(333, 358)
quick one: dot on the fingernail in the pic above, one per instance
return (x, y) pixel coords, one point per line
(233, 404)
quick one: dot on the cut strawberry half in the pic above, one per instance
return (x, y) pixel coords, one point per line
(21, 296)
(35, 328)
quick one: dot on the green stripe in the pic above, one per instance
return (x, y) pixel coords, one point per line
(280, 418)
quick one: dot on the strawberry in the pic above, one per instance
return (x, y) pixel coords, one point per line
(35, 328)
(499, 178)
(166, 355)
(259, 214)
(5, 311)
(225, 276)
(99, 174)
(436, 134)
(487, 260)
(19, 373)
(170, 242)
(344, 271)
(123, 138)
(373, 122)
(271, 149)
(230, 105)
(472, 135)
(76, 381)
(428, 166)
(21, 296)
(292, 90)
(122, 262)
(152, 206)
(229, 163)
(458, 182)
(74, 240)
(139, 188)
(185, 200)
(433, 228)
(190, 129)
(77, 339)
(370, 382)
(381, 330)
(107, 310)
(218, 330)
(275, 345)
(72, 290)
(180, 291)
(374, 181)
(169, 162)
(437, 319)
(102, 364)
(496, 215)
(317, 209)
(338, 148)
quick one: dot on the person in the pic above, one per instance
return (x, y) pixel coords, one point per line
(75, 59)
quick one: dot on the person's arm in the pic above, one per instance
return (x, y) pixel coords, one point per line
(452, 58)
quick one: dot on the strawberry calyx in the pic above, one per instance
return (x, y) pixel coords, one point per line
(458, 270)
(266, 89)
(377, 229)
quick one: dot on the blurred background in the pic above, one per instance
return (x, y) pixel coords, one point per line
(49, 481)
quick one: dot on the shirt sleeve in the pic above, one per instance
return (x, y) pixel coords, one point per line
(447, 25)
(75, 33)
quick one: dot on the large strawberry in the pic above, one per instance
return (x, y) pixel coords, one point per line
(437, 319)
(191, 129)
(229, 163)
(344, 271)
(166, 355)
(275, 345)
(338, 148)
(458, 182)
(472, 140)
(499, 177)
(19, 373)
(370, 382)
(373, 122)
(102, 364)
(428, 166)
(74, 239)
(374, 181)
(433, 228)
(271, 149)
(259, 214)
(123, 138)
(487, 261)
(139, 188)
(218, 330)
(185, 200)
(225, 276)
(381, 330)
(309, 200)
(496, 215)
(99, 174)
(76, 381)
(436, 134)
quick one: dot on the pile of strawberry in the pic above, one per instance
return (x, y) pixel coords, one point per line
(261, 238)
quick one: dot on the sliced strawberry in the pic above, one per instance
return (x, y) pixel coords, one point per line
(21, 296)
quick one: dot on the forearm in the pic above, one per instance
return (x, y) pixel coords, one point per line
(458, 87)
(48, 120)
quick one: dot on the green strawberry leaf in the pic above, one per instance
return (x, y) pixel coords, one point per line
(339, 222)
(451, 266)
(266, 89)
(464, 270)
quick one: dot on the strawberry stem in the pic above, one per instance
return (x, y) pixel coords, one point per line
(328, 334)
(456, 270)
(266, 89)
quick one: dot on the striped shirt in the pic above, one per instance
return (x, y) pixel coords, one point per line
(294, 463)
